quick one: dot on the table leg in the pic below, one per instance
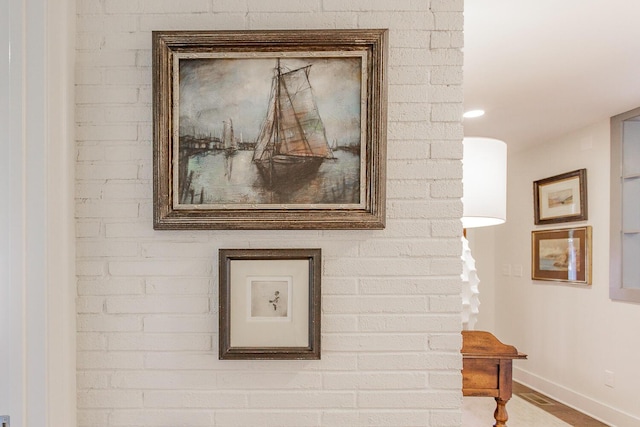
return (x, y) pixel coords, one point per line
(500, 413)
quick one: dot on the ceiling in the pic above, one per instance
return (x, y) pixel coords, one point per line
(543, 68)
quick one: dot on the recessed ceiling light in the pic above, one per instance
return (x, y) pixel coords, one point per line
(473, 113)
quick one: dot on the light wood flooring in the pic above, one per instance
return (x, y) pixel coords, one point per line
(555, 408)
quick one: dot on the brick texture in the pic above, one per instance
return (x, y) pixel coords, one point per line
(147, 300)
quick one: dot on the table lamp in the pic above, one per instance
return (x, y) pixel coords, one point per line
(484, 180)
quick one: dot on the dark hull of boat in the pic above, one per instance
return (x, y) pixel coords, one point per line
(280, 169)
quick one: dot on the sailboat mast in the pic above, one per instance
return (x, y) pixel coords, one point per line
(277, 111)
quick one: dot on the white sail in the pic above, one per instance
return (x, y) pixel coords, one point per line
(229, 142)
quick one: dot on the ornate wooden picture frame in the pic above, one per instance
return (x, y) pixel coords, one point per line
(269, 129)
(562, 255)
(561, 198)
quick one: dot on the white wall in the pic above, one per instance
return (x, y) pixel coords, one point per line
(572, 334)
(147, 305)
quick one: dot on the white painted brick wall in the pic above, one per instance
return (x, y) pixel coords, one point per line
(147, 300)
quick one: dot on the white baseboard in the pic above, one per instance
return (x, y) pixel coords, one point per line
(604, 413)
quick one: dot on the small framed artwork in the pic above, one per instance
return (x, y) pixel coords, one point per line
(274, 129)
(562, 255)
(560, 198)
(269, 305)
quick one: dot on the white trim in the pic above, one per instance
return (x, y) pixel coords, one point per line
(607, 414)
(37, 183)
(34, 217)
(12, 363)
(60, 179)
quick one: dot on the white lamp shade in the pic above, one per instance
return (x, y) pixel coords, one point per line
(484, 180)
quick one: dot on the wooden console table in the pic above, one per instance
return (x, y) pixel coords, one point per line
(487, 370)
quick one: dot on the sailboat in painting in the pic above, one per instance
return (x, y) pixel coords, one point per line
(292, 143)
(229, 143)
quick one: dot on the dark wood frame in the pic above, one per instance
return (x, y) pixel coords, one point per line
(581, 176)
(312, 351)
(583, 275)
(370, 214)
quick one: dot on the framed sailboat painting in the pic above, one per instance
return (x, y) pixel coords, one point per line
(269, 129)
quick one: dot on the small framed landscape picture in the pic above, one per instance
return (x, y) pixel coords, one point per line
(562, 255)
(269, 303)
(560, 198)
